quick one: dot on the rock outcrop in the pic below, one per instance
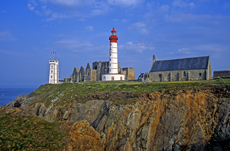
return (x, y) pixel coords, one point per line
(172, 120)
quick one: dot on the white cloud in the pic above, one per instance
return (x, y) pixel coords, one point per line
(184, 50)
(140, 27)
(6, 36)
(138, 47)
(164, 8)
(124, 20)
(74, 45)
(31, 5)
(194, 19)
(89, 28)
(180, 3)
(64, 2)
(210, 47)
(124, 2)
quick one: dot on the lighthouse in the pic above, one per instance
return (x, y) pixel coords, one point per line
(113, 60)
(54, 70)
(113, 63)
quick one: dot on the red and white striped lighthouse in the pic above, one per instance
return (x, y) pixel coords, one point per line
(113, 63)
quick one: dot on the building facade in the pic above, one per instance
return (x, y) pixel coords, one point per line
(54, 72)
(185, 69)
(222, 74)
(95, 73)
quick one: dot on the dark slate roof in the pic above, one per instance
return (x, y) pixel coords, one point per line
(181, 64)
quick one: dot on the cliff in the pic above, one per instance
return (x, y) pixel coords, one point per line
(186, 119)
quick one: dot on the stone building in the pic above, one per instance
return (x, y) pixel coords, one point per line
(101, 68)
(185, 69)
(222, 74)
(128, 72)
(95, 73)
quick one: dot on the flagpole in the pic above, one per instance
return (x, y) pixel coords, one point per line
(55, 55)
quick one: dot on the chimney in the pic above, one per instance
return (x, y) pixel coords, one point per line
(154, 58)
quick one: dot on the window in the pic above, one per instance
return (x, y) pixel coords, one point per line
(51, 71)
(51, 66)
(121, 78)
(51, 76)
(184, 74)
(112, 78)
(199, 74)
(104, 78)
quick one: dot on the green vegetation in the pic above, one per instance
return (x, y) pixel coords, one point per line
(121, 92)
(20, 130)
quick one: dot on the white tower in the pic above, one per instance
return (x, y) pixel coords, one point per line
(54, 72)
(113, 68)
(113, 61)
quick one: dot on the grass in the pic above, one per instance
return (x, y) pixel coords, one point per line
(116, 91)
(24, 131)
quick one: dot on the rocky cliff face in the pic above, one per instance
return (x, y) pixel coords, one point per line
(167, 120)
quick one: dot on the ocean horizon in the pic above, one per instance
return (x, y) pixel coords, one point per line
(7, 95)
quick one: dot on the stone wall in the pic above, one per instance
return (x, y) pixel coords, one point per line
(101, 68)
(81, 74)
(225, 73)
(95, 73)
(75, 75)
(179, 75)
(129, 73)
(67, 79)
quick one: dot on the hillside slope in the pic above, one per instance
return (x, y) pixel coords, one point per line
(155, 116)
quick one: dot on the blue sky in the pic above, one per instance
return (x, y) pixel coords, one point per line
(79, 30)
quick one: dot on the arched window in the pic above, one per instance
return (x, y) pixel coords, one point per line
(112, 78)
(51, 76)
(51, 71)
(120, 78)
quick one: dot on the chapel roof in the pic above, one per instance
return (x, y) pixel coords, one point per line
(181, 64)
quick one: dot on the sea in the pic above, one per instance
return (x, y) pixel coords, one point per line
(9, 94)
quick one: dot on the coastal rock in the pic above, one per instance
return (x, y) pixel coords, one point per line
(21, 101)
(174, 120)
(84, 137)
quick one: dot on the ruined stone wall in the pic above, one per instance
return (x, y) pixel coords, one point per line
(101, 68)
(93, 75)
(225, 73)
(75, 75)
(179, 75)
(81, 74)
(129, 73)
